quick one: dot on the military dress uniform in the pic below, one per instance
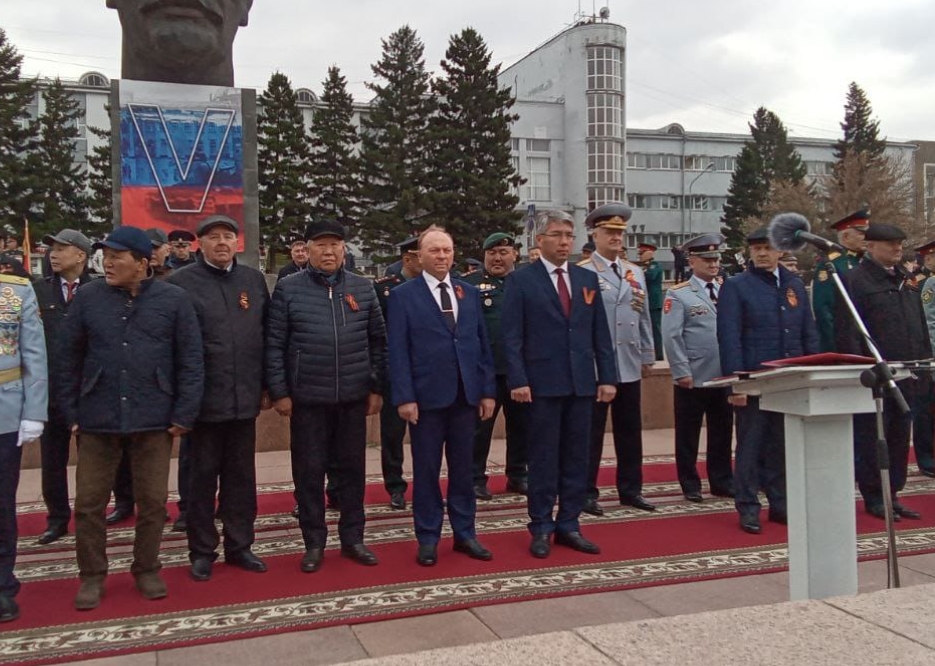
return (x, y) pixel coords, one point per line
(653, 273)
(689, 333)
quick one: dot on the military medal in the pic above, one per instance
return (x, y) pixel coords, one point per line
(927, 296)
(351, 302)
(792, 298)
(488, 302)
(822, 276)
(386, 292)
(667, 306)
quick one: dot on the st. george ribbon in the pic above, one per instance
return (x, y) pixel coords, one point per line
(790, 232)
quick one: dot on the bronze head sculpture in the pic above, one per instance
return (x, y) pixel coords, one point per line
(180, 41)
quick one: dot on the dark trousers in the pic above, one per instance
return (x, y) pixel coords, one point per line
(10, 458)
(392, 431)
(558, 461)
(628, 441)
(447, 431)
(222, 452)
(922, 421)
(123, 486)
(330, 438)
(98, 458)
(515, 415)
(54, 444)
(896, 427)
(760, 458)
(692, 406)
(655, 317)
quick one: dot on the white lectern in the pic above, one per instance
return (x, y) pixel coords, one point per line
(818, 403)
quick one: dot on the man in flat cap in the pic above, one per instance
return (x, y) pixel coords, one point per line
(850, 230)
(623, 293)
(68, 258)
(499, 261)
(892, 313)
(231, 301)
(689, 332)
(762, 315)
(325, 367)
(652, 271)
(161, 251)
(181, 242)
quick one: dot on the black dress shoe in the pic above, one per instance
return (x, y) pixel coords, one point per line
(246, 560)
(638, 502)
(118, 515)
(360, 554)
(201, 569)
(592, 507)
(311, 561)
(540, 546)
(52, 534)
(877, 511)
(398, 501)
(295, 511)
(518, 486)
(905, 512)
(750, 524)
(427, 555)
(481, 491)
(9, 610)
(722, 492)
(694, 497)
(776, 516)
(473, 549)
(575, 541)
(181, 523)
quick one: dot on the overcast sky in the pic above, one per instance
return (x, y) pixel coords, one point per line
(706, 64)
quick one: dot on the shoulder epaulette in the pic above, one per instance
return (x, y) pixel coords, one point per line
(13, 279)
(583, 262)
(680, 285)
(834, 255)
(384, 279)
(468, 274)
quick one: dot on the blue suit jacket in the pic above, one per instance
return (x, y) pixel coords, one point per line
(426, 357)
(552, 355)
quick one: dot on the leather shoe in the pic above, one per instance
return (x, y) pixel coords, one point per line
(181, 523)
(481, 491)
(427, 555)
(246, 560)
(398, 501)
(311, 561)
(360, 554)
(52, 534)
(694, 497)
(750, 524)
(638, 502)
(877, 511)
(905, 512)
(592, 507)
(722, 492)
(201, 569)
(540, 546)
(926, 471)
(518, 486)
(776, 516)
(473, 549)
(575, 541)
(9, 610)
(118, 515)
(89, 594)
(295, 511)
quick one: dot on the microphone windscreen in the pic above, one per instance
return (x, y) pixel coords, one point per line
(782, 231)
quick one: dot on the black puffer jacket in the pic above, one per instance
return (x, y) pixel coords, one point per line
(325, 345)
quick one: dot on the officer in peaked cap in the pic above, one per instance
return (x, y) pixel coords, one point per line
(689, 333)
(653, 272)
(623, 291)
(181, 242)
(850, 231)
(922, 426)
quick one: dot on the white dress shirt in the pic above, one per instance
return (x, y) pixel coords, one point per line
(433, 283)
(551, 268)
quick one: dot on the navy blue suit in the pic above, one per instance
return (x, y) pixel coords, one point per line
(447, 373)
(555, 356)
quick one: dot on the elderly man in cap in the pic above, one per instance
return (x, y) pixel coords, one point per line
(850, 230)
(132, 378)
(893, 315)
(298, 254)
(499, 261)
(161, 251)
(181, 242)
(325, 367)
(762, 315)
(689, 333)
(623, 293)
(231, 301)
(68, 258)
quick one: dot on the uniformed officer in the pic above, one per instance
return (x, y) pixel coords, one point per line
(587, 250)
(689, 332)
(922, 421)
(653, 273)
(623, 291)
(23, 411)
(181, 242)
(392, 427)
(499, 261)
(892, 313)
(851, 230)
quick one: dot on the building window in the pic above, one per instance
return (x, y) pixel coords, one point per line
(605, 115)
(638, 201)
(605, 162)
(539, 187)
(598, 196)
(605, 68)
(514, 160)
(636, 160)
(305, 96)
(538, 145)
(818, 168)
(929, 170)
(95, 79)
(699, 202)
(514, 145)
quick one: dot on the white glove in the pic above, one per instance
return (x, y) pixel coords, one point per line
(29, 430)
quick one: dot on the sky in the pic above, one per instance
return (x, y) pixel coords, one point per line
(706, 64)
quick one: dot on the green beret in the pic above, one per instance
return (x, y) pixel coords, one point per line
(498, 239)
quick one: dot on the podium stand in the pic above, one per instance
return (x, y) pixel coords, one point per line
(818, 403)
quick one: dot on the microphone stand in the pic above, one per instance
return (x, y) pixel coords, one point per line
(879, 379)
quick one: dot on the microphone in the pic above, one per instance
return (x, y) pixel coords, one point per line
(790, 232)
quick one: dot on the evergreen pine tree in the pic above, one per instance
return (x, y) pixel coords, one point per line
(394, 143)
(283, 155)
(861, 133)
(17, 134)
(59, 178)
(333, 167)
(471, 169)
(100, 183)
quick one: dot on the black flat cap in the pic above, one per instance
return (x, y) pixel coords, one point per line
(760, 235)
(324, 228)
(216, 221)
(878, 231)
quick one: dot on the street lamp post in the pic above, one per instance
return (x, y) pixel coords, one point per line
(710, 167)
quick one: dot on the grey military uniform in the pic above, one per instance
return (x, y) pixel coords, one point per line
(22, 353)
(689, 332)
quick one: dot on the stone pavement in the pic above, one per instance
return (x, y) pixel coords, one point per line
(671, 624)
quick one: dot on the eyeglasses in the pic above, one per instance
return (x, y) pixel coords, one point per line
(562, 235)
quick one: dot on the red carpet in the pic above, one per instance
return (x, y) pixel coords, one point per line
(680, 542)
